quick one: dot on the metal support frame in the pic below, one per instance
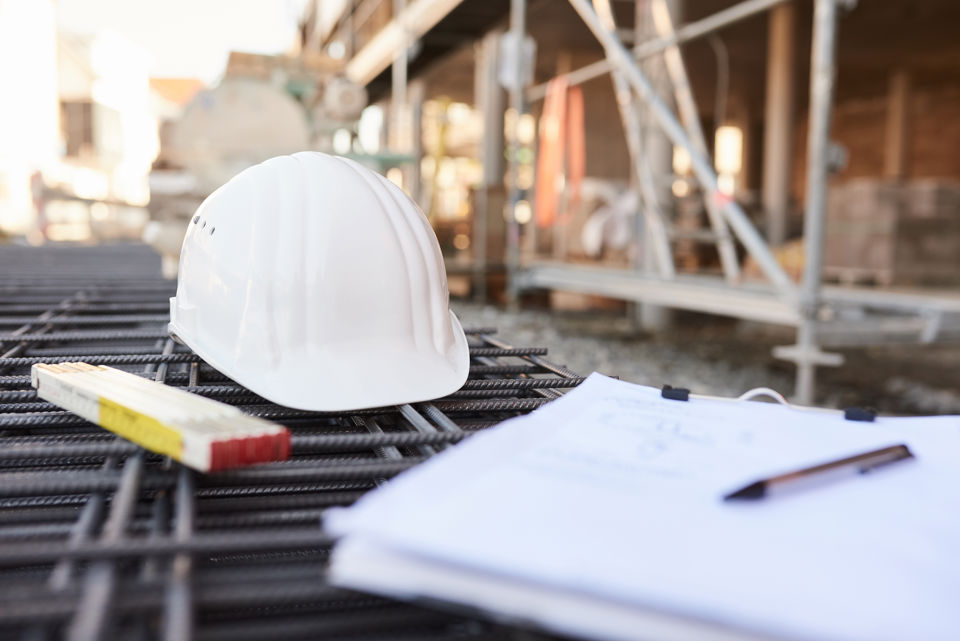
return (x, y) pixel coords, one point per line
(398, 74)
(687, 107)
(653, 219)
(822, 77)
(686, 33)
(657, 166)
(821, 315)
(518, 27)
(806, 353)
(702, 167)
(778, 121)
(416, 95)
(102, 540)
(489, 96)
(654, 225)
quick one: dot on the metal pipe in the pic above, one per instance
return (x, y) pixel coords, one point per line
(686, 33)
(559, 370)
(398, 84)
(100, 580)
(416, 96)
(822, 77)
(25, 553)
(490, 103)
(687, 106)
(129, 359)
(478, 246)
(654, 227)
(178, 600)
(778, 121)
(82, 531)
(518, 16)
(620, 57)
(657, 171)
(722, 90)
(420, 424)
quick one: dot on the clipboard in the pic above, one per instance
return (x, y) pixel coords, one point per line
(549, 529)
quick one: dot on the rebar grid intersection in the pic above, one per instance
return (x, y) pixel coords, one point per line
(103, 540)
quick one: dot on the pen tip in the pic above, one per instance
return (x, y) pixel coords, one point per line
(753, 491)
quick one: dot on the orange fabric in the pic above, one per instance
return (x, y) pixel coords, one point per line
(550, 157)
(562, 151)
(576, 150)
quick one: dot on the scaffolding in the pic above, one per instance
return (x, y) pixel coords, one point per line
(822, 316)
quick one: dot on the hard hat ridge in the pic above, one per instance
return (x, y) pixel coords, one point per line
(427, 273)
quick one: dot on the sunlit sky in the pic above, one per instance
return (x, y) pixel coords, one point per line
(188, 38)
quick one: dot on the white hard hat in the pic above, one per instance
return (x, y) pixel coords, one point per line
(319, 285)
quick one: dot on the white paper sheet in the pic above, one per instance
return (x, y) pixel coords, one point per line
(616, 493)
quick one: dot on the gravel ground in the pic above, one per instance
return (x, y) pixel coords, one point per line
(725, 358)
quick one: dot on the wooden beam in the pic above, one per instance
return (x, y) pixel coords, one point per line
(896, 145)
(417, 18)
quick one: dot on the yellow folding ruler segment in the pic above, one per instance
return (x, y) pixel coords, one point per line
(199, 432)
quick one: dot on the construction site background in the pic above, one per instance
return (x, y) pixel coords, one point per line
(450, 100)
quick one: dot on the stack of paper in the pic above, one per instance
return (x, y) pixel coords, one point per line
(601, 515)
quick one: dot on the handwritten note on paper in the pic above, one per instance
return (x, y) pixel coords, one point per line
(631, 436)
(616, 492)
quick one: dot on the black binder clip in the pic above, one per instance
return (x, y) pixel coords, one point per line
(675, 393)
(859, 414)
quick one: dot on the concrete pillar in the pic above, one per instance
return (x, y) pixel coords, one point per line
(518, 31)
(778, 121)
(490, 101)
(488, 223)
(658, 151)
(896, 141)
(399, 122)
(416, 94)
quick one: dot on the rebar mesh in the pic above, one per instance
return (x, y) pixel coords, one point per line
(100, 539)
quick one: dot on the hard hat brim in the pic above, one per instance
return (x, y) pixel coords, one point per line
(348, 376)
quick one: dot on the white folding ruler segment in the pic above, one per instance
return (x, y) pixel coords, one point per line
(199, 432)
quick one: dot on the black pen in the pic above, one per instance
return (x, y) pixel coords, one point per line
(860, 463)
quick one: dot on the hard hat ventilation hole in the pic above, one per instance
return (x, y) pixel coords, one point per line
(204, 225)
(212, 229)
(195, 219)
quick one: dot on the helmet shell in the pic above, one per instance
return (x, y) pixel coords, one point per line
(319, 285)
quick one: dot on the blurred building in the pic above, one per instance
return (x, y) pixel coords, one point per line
(108, 122)
(29, 115)
(170, 96)
(263, 106)
(80, 135)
